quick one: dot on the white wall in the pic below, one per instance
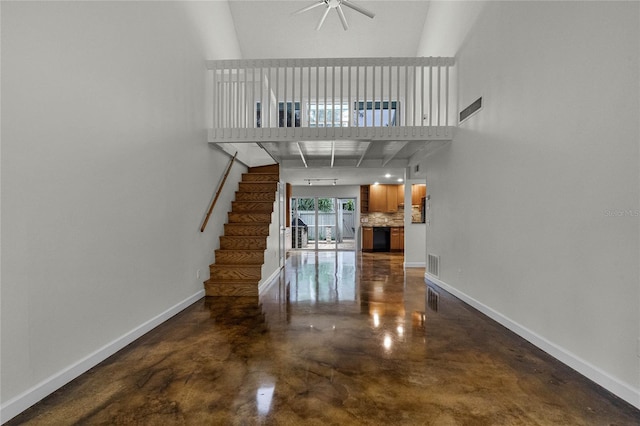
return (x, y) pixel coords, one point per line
(447, 26)
(272, 264)
(106, 176)
(524, 200)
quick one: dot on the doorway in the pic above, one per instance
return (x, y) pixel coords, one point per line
(323, 223)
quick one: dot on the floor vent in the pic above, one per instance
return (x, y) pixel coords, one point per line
(433, 265)
(433, 298)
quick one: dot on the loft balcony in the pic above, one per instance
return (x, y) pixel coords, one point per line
(354, 99)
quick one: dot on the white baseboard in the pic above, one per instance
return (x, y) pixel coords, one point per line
(18, 404)
(414, 265)
(613, 385)
(265, 284)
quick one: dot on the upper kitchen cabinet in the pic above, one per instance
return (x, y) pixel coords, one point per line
(400, 195)
(378, 198)
(418, 191)
(385, 198)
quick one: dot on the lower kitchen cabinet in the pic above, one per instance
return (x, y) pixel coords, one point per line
(367, 239)
(397, 238)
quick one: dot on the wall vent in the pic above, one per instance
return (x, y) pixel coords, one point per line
(433, 299)
(433, 265)
(471, 109)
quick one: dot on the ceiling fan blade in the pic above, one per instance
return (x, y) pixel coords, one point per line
(342, 18)
(358, 8)
(324, 16)
(313, 6)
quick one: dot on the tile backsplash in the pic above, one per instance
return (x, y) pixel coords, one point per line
(416, 214)
(383, 219)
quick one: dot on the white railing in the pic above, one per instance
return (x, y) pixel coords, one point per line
(368, 98)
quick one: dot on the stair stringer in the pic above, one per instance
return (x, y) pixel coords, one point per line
(271, 265)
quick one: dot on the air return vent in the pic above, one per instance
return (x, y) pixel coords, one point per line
(433, 265)
(471, 109)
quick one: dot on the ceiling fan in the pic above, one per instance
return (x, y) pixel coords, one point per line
(336, 4)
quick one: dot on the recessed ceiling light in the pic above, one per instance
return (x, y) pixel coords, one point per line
(388, 175)
(376, 183)
(399, 179)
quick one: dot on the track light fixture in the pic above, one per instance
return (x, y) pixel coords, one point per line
(333, 180)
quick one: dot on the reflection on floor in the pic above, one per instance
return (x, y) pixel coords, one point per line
(341, 338)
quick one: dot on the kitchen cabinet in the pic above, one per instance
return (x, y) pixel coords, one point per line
(397, 238)
(382, 238)
(418, 191)
(392, 198)
(400, 195)
(385, 198)
(364, 199)
(367, 238)
(378, 198)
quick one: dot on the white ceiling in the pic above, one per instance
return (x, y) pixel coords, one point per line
(268, 29)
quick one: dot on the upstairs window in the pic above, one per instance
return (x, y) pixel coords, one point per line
(328, 115)
(288, 114)
(365, 114)
(375, 114)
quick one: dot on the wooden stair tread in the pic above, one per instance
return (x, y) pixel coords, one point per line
(255, 196)
(270, 168)
(239, 256)
(240, 250)
(230, 265)
(231, 289)
(274, 176)
(241, 237)
(224, 282)
(247, 229)
(251, 205)
(249, 217)
(234, 265)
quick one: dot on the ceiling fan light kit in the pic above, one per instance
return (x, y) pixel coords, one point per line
(337, 5)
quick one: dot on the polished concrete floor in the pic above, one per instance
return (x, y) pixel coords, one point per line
(342, 339)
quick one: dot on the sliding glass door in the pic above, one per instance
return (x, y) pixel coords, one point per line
(323, 223)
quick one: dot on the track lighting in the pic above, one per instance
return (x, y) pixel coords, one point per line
(333, 180)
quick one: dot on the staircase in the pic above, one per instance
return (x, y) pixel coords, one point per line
(238, 263)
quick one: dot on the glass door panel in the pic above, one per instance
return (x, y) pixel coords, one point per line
(346, 236)
(303, 233)
(327, 236)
